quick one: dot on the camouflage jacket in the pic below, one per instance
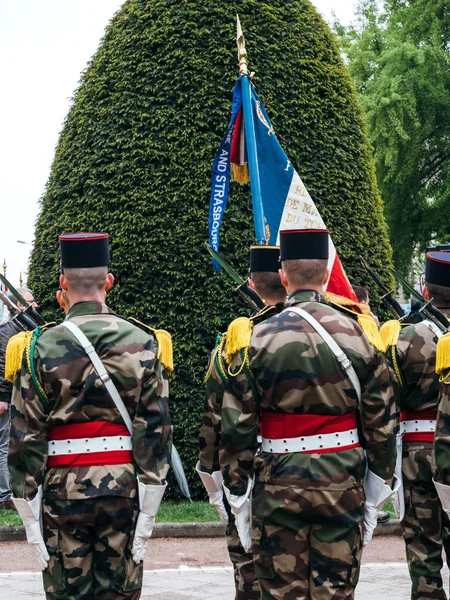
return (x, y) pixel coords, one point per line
(75, 394)
(216, 385)
(295, 372)
(441, 446)
(413, 362)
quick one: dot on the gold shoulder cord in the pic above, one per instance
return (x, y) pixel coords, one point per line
(217, 354)
(245, 363)
(31, 369)
(396, 366)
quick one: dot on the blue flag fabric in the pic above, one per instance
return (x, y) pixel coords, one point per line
(275, 171)
(220, 181)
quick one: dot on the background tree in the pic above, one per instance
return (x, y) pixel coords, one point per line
(399, 58)
(135, 154)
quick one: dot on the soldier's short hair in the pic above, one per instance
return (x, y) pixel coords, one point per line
(268, 285)
(303, 272)
(362, 293)
(439, 293)
(86, 279)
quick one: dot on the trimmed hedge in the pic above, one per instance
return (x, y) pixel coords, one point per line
(135, 154)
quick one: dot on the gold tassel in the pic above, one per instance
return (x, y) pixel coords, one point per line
(443, 354)
(240, 173)
(165, 350)
(14, 353)
(389, 333)
(239, 333)
(370, 328)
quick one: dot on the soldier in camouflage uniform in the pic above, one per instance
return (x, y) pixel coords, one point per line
(265, 280)
(71, 453)
(416, 385)
(308, 497)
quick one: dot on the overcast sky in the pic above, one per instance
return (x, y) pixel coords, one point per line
(44, 46)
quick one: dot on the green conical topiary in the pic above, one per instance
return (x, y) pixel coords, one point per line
(135, 154)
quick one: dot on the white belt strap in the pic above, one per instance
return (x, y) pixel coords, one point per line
(88, 445)
(310, 443)
(101, 371)
(343, 359)
(418, 426)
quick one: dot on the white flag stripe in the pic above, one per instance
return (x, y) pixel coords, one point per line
(300, 212)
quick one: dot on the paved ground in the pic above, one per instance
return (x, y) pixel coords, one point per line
(378, 580)
(188, 569)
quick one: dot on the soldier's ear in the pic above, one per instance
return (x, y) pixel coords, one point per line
(425, 292)
(251, 283)
(327, 276)
(109, 281)
(284, 280)
(63, 282)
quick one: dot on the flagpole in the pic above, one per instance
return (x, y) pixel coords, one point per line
(250, 139)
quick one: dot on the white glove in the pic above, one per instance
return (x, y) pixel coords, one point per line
(150, 497)
(377, 493)
(30, 513)
(444, 495)
(241, 507)
(213, 484)
(142, 533)
(216, 500)
(370, 522)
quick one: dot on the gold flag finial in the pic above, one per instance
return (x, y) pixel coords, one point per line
(242, 52)
(4, 267)
(20, 280)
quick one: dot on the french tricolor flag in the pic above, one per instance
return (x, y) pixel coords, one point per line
(285, 199)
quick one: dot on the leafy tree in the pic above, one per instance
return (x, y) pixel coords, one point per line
(399, 58)
(135, 154)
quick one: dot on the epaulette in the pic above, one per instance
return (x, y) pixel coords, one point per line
(240, 330)
(17, 345)
(360, 312)
(164, 339)
(443, 358)
(389, 333)
(217, 359)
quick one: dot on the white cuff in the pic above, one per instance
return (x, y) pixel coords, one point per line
(376, 489)
(237, 502)
(150, 497)
(212, 481)
(29, 510)
(444, 495)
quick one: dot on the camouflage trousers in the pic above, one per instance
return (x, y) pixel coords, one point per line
(245, 580)
(425, 525)
(307, 544)
(89, 543)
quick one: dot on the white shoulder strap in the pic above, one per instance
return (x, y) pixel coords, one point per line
(343, 359)
(100, 370)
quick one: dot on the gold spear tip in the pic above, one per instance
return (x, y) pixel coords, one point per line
(239, 28)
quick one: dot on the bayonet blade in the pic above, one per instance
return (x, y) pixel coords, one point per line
(13, 308)
(27, 307)
(14, 292)
(225, 265)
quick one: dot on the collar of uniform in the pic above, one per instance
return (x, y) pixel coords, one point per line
(304, 296)
(88, 308)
